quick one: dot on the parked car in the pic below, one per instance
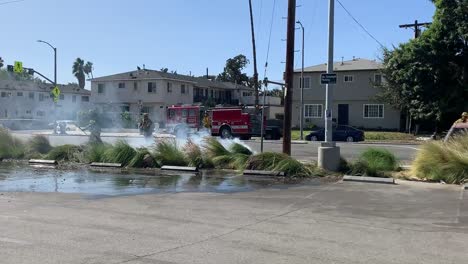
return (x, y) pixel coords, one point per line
(274, 129)
(340, 133)
(457, 129)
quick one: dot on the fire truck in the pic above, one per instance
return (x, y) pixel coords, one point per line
(226, 122)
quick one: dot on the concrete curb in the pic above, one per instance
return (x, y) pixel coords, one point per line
(369, 179)
(45, 162)
(106, 165)
(179, 168)
(388, 143)
(264, 173)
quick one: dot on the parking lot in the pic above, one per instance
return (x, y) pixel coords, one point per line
(328, 223)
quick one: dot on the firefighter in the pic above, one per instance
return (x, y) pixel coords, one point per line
(95, 132)
(463, 119)
(146, 126)
(206, 120)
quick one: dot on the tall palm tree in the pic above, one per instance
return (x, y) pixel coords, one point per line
(78, 71)
(88, 69)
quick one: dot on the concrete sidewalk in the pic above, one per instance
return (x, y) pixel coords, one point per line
(334, 223)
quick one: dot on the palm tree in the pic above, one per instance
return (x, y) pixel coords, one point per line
(88, 69)
(78, 71)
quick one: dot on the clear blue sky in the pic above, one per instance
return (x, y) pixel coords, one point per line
(190, 35)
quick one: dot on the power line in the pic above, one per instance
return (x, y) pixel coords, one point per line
(269, 38)
(359, 24)
(11, 2)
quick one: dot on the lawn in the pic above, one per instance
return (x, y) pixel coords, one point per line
(369, 135)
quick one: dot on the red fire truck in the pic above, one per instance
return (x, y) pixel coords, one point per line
(226, 122)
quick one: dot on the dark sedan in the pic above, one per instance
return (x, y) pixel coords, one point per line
(340, 133)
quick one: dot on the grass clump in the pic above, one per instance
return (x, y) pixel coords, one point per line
(94, 152)
(375, 162)
(142, 159)
(280, 162)
(39, 144)
(265, 160)
(121, 153)
(194, 155)
(443, 161)
(235, 157)
(168, 153)
(10, 147)
(65, 153)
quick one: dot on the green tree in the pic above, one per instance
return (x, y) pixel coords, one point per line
(88, 69)
(233, 71)
(428, 76)
(78, 71)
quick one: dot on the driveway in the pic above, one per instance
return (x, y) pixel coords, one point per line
(332, 223)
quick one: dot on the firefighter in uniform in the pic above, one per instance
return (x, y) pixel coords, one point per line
(206, 121)
(95, 132)
(463, 119)
(146, 126)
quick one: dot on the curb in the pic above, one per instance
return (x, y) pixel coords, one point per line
(368, 179)
(46, 162)
(179, 168)
(106, 165)
(388, 143)
(263, 173)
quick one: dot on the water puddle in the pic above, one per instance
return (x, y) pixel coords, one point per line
(24, 178)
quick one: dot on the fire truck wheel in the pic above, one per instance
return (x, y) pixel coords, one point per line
(225, 132)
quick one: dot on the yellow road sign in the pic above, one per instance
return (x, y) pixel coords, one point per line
(18, 67)
(56, 91)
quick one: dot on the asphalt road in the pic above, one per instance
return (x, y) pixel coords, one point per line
(332, 223)
(309, 151)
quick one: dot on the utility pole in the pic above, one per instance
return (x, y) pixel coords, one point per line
(416, 26)
(329, 153)
(302, 85)
(255, 76)
(417, 33)
(289, 76)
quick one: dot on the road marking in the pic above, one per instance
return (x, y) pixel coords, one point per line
(13, 241)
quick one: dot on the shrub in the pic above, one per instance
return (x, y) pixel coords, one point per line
(375, 162)
(39, 144)
(65, 153)
(292, 167)
(443, 161)
(121, 153)
(234, 158)
(194, 155)
(214, 148)
(168, 153)
(94, 152)
(237, 148)
(142, 159)
(265, 160)
(10, 147)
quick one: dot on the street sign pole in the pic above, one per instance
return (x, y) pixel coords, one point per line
(328, 153)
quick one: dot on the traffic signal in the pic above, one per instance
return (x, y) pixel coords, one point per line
(10, 68)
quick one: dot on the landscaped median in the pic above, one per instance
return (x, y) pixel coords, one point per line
(210, 153)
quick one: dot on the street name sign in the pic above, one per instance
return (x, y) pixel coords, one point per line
(328, 78)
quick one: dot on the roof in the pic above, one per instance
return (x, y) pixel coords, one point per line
(154, 75)
(351, 65)
(41, 87)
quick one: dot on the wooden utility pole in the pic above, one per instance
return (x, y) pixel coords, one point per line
(289, 76)
(255, 76)
(417, 32)
(416, 26)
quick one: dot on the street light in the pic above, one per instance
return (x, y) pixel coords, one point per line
(55, 60)
(302, 85)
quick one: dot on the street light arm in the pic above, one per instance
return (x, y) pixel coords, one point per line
(299, 22)
(42, 41)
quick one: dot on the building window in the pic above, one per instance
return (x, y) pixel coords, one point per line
(125, 108)
(74, 98)
(152, 87)
(100, 88)
(378, 79)
(348, 78)
(41, 97)
(31, 95)
(182, 89)
(135, 86)
(84, 98)
(169, 87)
(28, 112)
(313, 111)
(373, 111)
(62, 97)
(4, 94)
(307, 83)
(147, 109)
(122, 85)
(40, 113)
(19, 94)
